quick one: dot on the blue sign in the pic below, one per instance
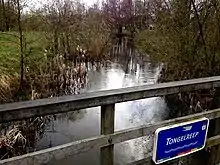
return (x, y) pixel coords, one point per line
(179, 140)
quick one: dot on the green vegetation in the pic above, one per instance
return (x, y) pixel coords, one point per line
(42, 51)
(35, 44)
(185, 37)
(9, 50)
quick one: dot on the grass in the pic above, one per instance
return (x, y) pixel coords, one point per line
(20, 135)
(10, 50)
(9, 54)
(38, 63)
(34, 46)
(47, 76)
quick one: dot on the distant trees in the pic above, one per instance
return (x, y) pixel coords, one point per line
(70, 25)
(132, 16)
(11, 20)
(185, 37)
(67, 27)
(117, 12)
(3, 17)
(35, 38)
(7, 15)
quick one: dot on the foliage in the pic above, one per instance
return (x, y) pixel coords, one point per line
(10, 60)
(8, 15)
(72, 26)
(22, 135)
(38, 37)
(185, 38)
(44, 53)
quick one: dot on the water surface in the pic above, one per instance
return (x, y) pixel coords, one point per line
(86, 123)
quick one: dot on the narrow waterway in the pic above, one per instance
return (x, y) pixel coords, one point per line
(86, 123)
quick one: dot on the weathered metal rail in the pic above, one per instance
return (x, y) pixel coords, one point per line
(107, 100)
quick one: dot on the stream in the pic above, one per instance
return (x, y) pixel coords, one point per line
(73, 126)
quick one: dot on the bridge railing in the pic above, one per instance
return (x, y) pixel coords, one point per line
(107, 100)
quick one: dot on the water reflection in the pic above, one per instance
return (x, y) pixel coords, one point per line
(86, 123)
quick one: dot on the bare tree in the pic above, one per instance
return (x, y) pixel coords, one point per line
(4, 16)
(18, 3)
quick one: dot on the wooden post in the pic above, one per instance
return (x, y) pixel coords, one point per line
(215, 151)
(107, 127)
(217, 132)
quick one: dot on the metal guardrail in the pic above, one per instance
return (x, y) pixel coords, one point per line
(107, 100)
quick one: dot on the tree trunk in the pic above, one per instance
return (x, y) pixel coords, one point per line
(1, 18)
(55, 41)
(21, 45)
(8, 16)
(120, 31)
(4, 17)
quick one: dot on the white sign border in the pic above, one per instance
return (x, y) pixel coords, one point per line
(173, 126)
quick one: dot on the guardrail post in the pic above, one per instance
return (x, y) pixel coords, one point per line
(107, 127)
(217, 132)
(215, 151)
